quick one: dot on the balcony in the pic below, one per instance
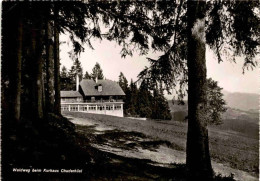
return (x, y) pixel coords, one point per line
(109, 108)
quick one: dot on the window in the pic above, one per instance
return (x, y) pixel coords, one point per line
(107, 107)
(117, 107)
(79, 99)
(99, 88)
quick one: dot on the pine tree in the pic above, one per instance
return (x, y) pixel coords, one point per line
(87, 75)
(97, 72)
(49, 93)
(76, 69)
(64, 72)
(133, 93)
(160, 107)
(144, 100)
(216, 105)
(56, 56)
(123, 83)
(178, 29)
(12, 69)
(65, 82)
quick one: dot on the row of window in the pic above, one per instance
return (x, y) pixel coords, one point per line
(71, 99)
(90, 108)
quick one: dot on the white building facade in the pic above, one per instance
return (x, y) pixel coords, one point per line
(100, 97)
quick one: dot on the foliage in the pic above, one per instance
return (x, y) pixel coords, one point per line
(216, 105)
(68, 79)
(76, 69)
(141, 102)
(160, 107)
(87, 75)
(227, 37)
(64, 79)
(132, 99)
(123, 82)
(136, 25)
(97, 72)
(224, 34)
(64, 72)
(144, 98)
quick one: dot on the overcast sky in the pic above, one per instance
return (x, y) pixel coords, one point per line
(107, 54)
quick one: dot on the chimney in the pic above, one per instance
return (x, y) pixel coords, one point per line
(77, 82)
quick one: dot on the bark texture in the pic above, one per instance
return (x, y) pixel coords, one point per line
(198, 157)
(37, 70)
(49, 97)
(57, 105)
(15, 81)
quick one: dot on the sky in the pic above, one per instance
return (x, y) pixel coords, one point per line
(107, 54)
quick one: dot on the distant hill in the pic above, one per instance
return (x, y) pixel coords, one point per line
(241, 106)
(236, 100)
(242, 101)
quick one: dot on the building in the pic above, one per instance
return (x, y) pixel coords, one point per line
(99, 97)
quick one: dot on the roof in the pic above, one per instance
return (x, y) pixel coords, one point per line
(109, 88)
(70, 94)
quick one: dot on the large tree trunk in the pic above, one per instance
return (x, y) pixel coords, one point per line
(15, 75)
(49, 97)
(198, 157)
(37, 62)
(57, 105)
(11, 63)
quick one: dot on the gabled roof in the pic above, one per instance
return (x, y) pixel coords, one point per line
(70, 94)
(109, 88)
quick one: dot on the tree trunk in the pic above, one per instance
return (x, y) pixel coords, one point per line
(37, 87)
(49, 97)
(57, 105)
(198, 157)
(15, 81)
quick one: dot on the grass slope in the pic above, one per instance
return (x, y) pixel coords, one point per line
(236, 149)
(53, 143)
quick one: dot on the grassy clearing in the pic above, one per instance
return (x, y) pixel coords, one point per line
(235, 149)
(54, 143)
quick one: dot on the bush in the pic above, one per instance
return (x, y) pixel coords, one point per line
(145, 112)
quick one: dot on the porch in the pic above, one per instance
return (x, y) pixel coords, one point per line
(109, 108)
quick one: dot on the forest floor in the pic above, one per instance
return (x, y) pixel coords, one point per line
(162, 143)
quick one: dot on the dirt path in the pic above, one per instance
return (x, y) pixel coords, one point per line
(140, 139)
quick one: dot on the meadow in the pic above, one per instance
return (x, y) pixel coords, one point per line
(234, 143)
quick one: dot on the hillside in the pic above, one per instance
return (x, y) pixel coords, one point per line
(164, 142)
(242, 106)
(245, 122)
(242, 101)
(236, 100)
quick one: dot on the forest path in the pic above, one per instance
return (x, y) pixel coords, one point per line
(135, 139)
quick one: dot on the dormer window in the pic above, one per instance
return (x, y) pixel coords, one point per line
(99, 88)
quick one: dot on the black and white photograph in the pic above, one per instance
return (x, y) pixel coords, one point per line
(130, 90)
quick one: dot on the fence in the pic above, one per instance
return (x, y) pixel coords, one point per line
(109, 108)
